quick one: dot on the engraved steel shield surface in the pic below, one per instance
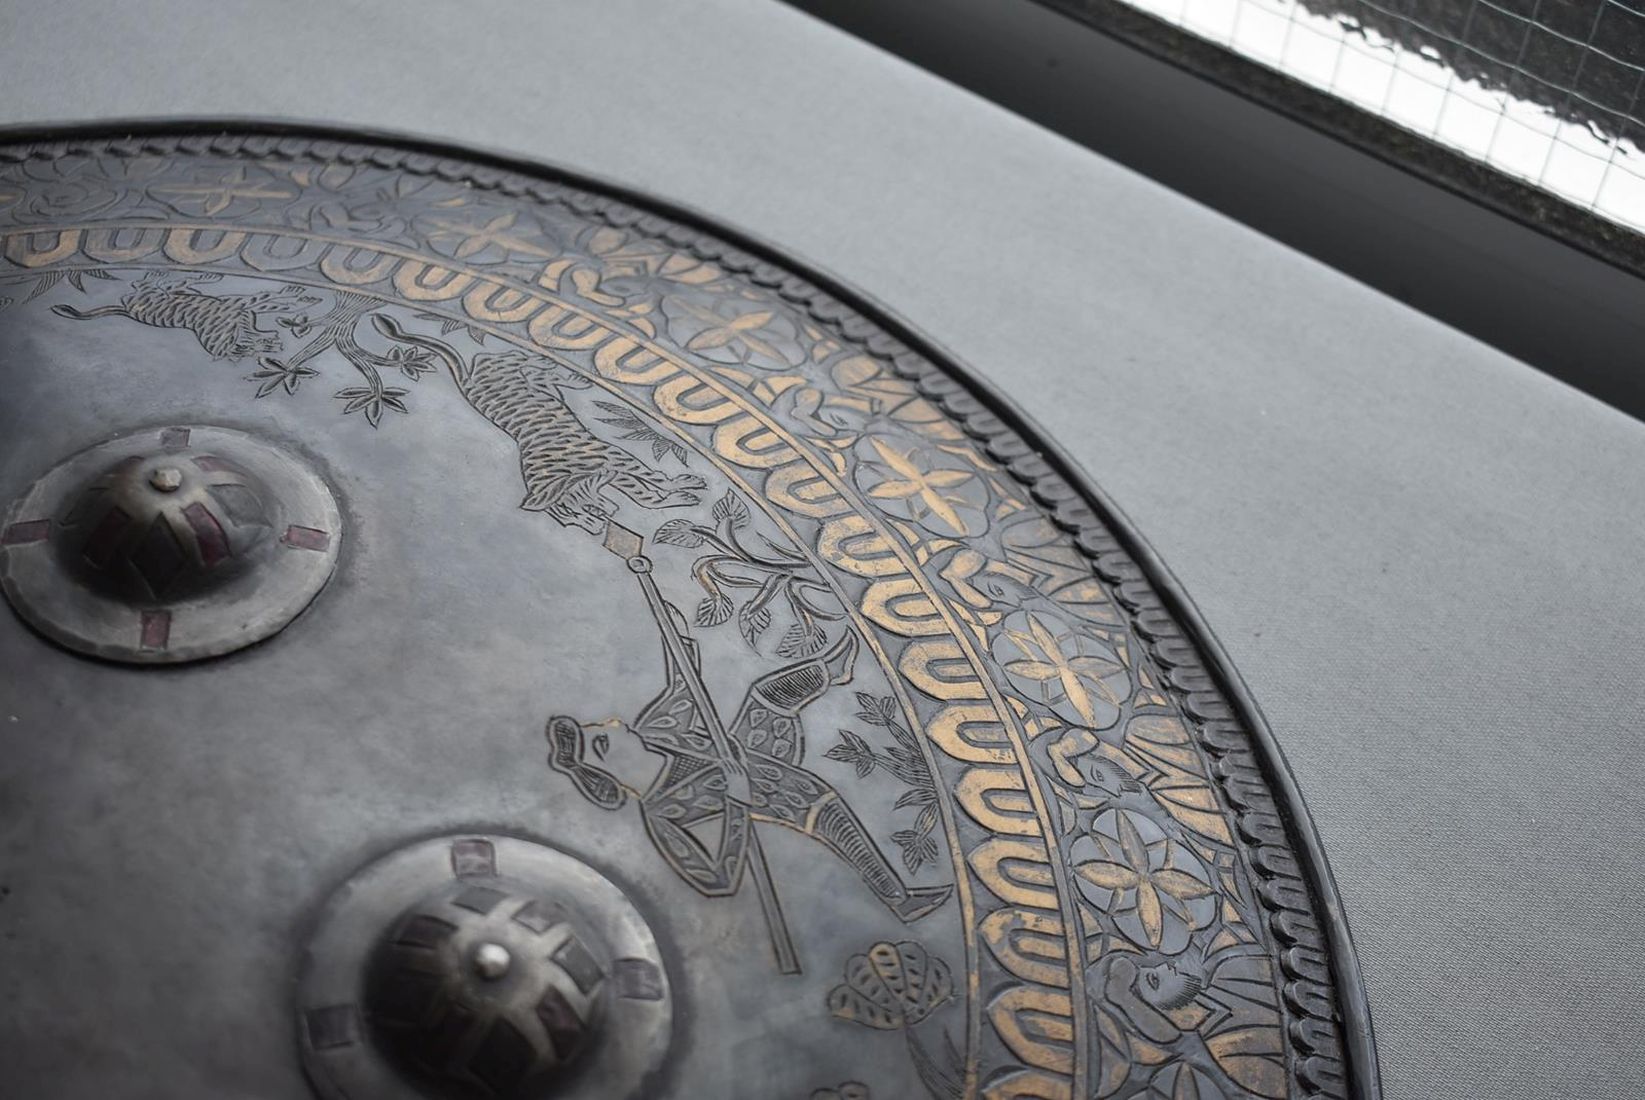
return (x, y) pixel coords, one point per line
(709, 599)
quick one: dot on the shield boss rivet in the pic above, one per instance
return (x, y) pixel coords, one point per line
(491, 961)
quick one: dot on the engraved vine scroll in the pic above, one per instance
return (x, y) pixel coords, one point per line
(1040, 783)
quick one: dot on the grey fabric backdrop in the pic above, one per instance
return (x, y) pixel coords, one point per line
(1424, 557)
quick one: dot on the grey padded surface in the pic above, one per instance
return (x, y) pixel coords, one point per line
(1423, 556)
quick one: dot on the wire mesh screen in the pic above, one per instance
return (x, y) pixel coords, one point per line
(1549, 91)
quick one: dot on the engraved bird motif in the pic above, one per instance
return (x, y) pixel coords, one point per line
(226, 325)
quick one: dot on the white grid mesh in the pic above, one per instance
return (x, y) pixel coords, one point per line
(1597, 165)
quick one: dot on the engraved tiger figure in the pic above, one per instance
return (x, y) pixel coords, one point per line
(226, 325)
(567, 468)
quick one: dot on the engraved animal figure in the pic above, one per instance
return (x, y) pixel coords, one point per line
(567, 468)
(226, 325)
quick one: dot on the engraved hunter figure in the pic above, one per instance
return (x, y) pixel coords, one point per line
(689, 771)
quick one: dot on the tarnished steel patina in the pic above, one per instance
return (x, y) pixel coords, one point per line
(482, 966)
(714, 693)
(168, 545)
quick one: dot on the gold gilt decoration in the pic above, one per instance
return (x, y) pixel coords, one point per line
(1099, 894)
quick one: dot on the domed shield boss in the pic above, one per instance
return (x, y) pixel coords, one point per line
(169, 545)
(482, 966)
(661, 555)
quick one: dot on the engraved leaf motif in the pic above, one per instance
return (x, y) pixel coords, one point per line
(276, 374)
(855, 751)
(43, 283)
(731, 507)
(637, 429)
(872, 712)
(918, 848)
(800, 640)
(908, 765)
(679, 532)
(893, 985)
(713, 610)
(906, 761)
(412, 362)
(372, 399)
(752, 621)
(1109, 876)
(76, 278)
(915, 796)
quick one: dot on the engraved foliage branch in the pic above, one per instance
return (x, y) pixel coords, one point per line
(777, 573)
(903, 760)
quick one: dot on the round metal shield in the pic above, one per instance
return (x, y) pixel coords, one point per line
(662, 559)
(482, 966)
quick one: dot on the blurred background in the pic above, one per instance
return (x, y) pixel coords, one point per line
(1480, 160)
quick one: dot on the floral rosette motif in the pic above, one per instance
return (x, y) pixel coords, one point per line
(1081, 681)
(225, 192)
(1154, 888)
(734, 332)
(938, 491)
